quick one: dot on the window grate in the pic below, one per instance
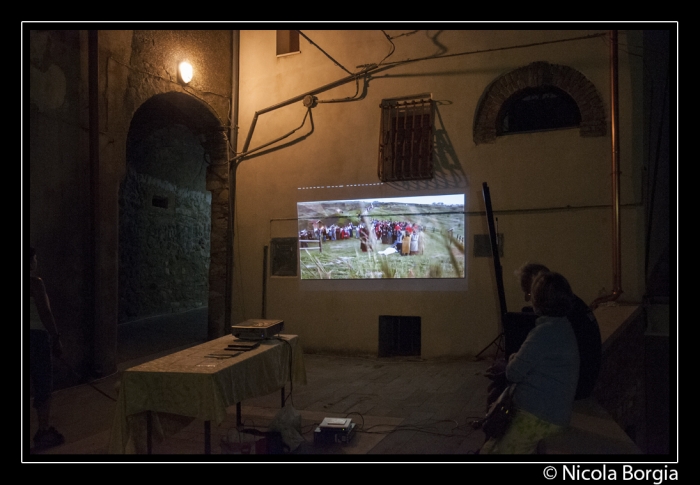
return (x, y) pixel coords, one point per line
(399, 335)
(406, 140)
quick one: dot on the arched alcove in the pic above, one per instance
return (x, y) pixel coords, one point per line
(170, 213)
(537, 75)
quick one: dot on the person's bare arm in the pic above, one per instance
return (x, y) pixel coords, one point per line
(43, 306)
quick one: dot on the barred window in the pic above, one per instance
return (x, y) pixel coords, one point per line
(406, 139)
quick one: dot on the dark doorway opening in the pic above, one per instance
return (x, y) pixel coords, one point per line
(165, 223)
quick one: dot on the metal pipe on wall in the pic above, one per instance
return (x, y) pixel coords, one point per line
(94, 155)
(365, 72)
(615, 156)
(264, 284)
(615, 166)
(233, 142)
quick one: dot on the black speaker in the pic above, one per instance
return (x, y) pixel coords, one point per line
(516, 326)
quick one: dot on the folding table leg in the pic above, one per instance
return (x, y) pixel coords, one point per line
(207, 437)
(239, 420)
(149, 428)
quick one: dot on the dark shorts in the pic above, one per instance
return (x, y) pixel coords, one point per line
(40, 367)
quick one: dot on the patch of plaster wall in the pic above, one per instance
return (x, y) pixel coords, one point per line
(47, 89)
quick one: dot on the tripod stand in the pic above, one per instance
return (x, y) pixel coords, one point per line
(498, 342)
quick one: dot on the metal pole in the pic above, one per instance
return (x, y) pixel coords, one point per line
(233, 140)
(615, 178)
(614, 85)
(94, 149)
(264, 284)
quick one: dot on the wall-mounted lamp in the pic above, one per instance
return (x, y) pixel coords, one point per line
(184, 72)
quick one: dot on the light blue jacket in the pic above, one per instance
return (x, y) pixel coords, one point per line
(546, 370)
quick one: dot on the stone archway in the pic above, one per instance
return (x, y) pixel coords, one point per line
(174, 204)
(539, 74)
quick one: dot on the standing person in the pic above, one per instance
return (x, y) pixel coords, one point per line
(398, 243)
(44, 341)
(414, 243)
(406, 244)
(585, 327)
(544, 370)
(364, 237)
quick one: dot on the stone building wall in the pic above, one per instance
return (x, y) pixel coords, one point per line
(164, 247)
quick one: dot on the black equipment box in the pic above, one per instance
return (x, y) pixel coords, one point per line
(334, 430)
(516, 326)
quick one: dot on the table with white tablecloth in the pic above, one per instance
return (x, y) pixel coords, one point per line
(164, 395)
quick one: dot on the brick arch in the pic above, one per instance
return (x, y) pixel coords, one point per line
(539, 74)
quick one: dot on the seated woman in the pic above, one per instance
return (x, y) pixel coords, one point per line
(545, 371)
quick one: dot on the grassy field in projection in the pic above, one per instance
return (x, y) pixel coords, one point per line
(442, 233)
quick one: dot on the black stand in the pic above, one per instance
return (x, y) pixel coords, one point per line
(499, 270)
(498, 341)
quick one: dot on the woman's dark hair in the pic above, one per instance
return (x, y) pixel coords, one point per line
(551, 294)
(32, 253)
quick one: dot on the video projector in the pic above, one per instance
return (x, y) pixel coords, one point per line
(257, 329)
(334, 430)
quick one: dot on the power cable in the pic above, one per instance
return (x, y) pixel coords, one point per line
(495, 49)
(291, 361)
(89, 383)
(393, 47)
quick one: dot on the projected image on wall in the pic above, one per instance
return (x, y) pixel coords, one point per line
(400, 237)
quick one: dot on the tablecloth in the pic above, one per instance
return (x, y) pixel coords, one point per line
(191, 384)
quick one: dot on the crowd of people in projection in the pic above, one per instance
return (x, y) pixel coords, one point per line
(403, 237)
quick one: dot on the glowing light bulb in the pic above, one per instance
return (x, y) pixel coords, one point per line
(185, 69)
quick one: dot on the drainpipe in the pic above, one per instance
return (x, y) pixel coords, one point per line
(233, 141)
(614, 116)
(94, 154)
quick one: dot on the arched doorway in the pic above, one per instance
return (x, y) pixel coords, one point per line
(165, 222)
